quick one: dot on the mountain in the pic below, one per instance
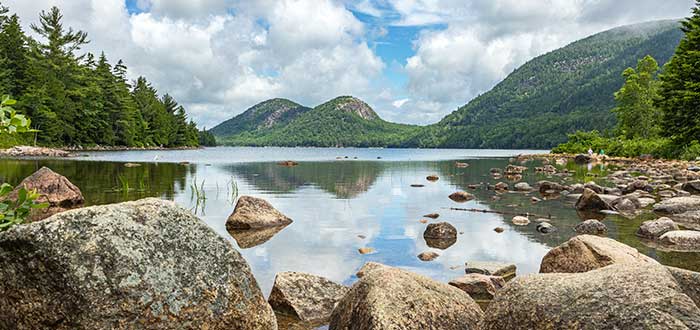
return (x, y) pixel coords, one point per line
(554, 94)
(535, 107)
(342, 122)
(261, 117)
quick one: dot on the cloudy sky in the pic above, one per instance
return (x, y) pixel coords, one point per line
(414, 61)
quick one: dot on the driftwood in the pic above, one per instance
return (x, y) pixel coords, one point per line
(548, 216)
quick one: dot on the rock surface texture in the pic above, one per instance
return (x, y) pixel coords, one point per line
(587, 252)
(252, 213)
(54, 189)
(615, 297)
(390, 298)
(135, 265)
(307, 297)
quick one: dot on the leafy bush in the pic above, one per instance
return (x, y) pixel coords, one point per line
(691, 152)
(579, 142)
(16, 212)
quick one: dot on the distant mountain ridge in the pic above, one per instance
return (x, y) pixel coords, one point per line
(554, 94)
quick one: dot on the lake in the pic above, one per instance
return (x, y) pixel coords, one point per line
(363, 199)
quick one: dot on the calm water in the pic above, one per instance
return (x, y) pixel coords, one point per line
(333, 201)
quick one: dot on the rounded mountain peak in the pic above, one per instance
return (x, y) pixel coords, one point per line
(354, 105)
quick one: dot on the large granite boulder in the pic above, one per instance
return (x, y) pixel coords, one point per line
(309, 298)
(135, 265)
(587, 252)
(623, 296)
(391, 298)
(252, 213)
(590, 201)
(53, 188)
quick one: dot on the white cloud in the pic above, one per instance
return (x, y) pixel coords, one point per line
(399, 103)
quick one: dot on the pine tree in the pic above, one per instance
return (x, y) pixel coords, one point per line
(637, 117)
(13, 52)
(680, 88)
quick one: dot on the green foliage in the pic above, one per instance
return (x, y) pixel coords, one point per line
(10, 121)
(680, 85)
(637, 117)
(206, 138)
(691, 151)
(342, 122)
(564, 91)
(14, 212)
(580, 142)
(80, 100)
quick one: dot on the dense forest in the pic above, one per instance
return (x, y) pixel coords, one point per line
(81, 99)
(342, 122)
(658, 110)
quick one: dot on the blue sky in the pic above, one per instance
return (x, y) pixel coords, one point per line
(413, 61)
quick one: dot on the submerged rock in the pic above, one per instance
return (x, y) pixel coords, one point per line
(591, 227)
(653, 229)
(428, 256)
(391, 298)
(615, 297)
(248, 238)
(479, 286)
(126, 265)
(308, 297)
(461, 196)
(587, 252)
(251, 213)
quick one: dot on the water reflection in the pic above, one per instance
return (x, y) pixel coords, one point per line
(340, 206)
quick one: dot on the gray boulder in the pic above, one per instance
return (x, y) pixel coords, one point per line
(587, 252)
(307, 297)
(626, 204)
(391, 298)
(591, 227)
(590, 201)
(132, 265)
(550, 187)
(614, 297)
(653, 229)
(681, 240)
(692, 187)
(678, 205)
(253, 213)
(522, 186)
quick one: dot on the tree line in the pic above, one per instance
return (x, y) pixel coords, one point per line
(658, 111)
(81, 99)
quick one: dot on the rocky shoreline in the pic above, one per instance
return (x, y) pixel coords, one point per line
(152, 264)
(44, 152)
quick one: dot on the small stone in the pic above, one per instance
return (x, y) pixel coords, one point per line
(591, 227)
(499, 229)
(534, 199)
(423, 221)
(522, 186)
(432, 178)
(545, 227)
(441, 230)
(252, 212)
(461, 165)
(432, 216)
(520, 221)
(132, 165)
(501, 186)
(417, 185)
(461, 196)
(490, 268)
(288, 163)
(428, 256)
(365, 250)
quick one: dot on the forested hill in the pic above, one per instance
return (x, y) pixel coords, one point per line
(261, 117)
(342, 122)
(76, 98)
(566, 90)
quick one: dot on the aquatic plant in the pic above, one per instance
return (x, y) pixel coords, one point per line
(14, 212)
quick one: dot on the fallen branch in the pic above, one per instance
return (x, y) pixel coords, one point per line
(548, 216)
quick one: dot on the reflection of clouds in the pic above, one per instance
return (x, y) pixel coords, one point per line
(323, 240)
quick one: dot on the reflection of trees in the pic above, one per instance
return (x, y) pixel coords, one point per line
(342, 179)
(105, 182)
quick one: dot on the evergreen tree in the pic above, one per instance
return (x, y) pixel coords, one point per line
(637, 117)
(13, 53)
(680, 88)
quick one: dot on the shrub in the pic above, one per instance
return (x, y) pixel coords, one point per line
(13, 212)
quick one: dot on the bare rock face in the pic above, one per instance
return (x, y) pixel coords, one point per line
(252, 213)
(54, 189)
(309, 298)
(144, 264)
(391, 298)
(479, 286)
(624, 296)
(587, 252)
(681, 240)
(653, 229)
(590, 201)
